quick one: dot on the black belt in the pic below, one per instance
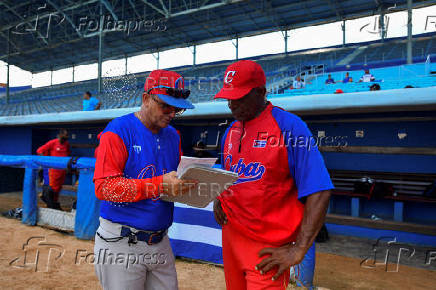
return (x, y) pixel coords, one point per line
(150, 238)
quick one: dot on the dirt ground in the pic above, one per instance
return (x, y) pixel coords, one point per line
(62, 268)
(68, 271)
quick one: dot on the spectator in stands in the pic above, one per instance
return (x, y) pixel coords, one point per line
(90, 103)
(330, 80)
(374, 87)
(347, 78)
(298, 83)
(61, 148)
(367, 77)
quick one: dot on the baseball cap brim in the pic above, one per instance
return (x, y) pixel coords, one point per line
(232, 93)
(176, 102)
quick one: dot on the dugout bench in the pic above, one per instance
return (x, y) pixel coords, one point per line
(405, 189)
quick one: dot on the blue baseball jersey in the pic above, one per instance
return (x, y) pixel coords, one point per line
(148, 155)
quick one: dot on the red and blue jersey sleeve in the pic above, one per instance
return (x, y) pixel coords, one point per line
(110, 183)
(111, 157)
(306, 164)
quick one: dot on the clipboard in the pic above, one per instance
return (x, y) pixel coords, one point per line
(212, 182)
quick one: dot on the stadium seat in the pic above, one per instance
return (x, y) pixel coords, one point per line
(205, 80)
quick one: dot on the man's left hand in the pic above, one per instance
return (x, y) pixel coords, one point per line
(282, 258)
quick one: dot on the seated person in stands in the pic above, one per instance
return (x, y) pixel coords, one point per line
(330, 80)
(367, 77)
(374, 87)
(90, 103)
(347, 78)
(298, 83)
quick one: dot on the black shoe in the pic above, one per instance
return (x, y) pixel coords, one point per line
(56, 205)
(47, 195)
(42, 197)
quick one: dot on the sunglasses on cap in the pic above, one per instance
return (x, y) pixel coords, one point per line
(175, 93)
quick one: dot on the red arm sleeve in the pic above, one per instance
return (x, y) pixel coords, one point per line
(110, 184)
(45, 149)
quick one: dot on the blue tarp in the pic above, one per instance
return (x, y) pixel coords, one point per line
(36, 162)
(87, 212)
(88, 207)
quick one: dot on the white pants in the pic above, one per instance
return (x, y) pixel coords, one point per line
(120, 266)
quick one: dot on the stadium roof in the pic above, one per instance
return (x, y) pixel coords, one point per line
(54, 34)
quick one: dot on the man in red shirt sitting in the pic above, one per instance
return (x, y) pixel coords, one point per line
(61, 148)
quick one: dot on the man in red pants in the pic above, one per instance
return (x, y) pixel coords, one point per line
(61, 148)
(272, 214)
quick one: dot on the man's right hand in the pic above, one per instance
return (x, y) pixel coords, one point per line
(173, 186)
(218, 212)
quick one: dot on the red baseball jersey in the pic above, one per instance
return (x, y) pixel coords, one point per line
(278, 164)
(55, 148)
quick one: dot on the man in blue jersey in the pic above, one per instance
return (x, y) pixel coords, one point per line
(135, 163)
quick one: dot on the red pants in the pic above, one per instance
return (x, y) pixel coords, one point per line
(56, 178)
(240, 255)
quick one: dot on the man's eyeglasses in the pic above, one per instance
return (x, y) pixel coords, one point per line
(175, 93)
(167, 109)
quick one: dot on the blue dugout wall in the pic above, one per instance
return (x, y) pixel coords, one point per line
(381, 130)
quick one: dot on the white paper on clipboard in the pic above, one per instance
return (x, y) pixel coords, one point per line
(212, 182)
(186, 161)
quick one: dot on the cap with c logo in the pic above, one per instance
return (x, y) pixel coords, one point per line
(240, 78)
